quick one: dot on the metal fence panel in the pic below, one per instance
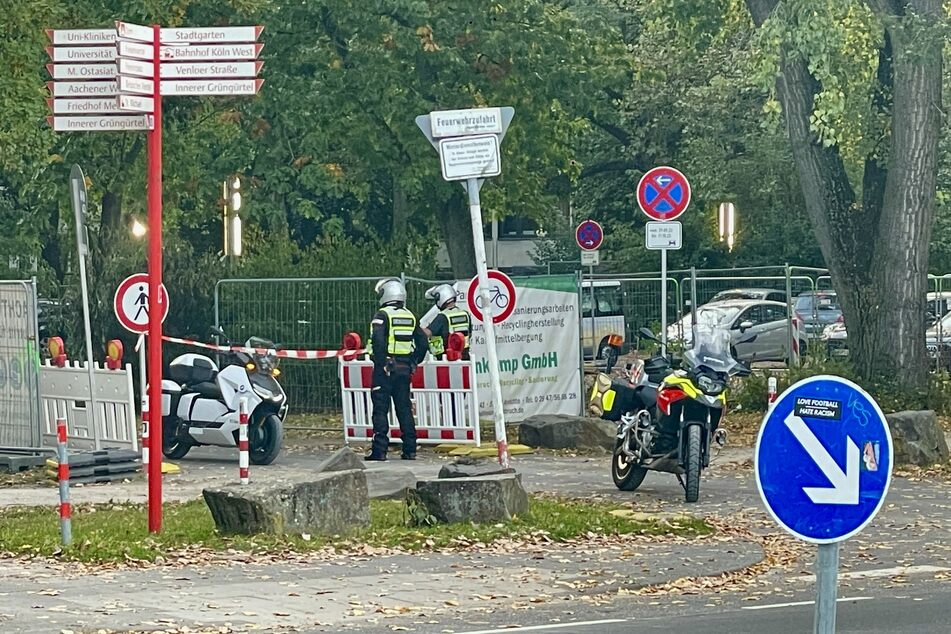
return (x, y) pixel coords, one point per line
(306, 313)
(19, 366)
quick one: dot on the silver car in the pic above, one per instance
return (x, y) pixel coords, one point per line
(766, 320)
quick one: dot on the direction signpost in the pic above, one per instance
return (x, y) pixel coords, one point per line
(823, 464)
(663, 194)
(468, 144)
(111, 79)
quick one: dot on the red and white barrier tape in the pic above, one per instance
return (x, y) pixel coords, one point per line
(286, 354)
(243, 457)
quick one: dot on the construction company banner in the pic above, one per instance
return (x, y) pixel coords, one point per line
(538, 349)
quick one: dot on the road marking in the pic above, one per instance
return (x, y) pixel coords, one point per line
(797, 604)
(879, 573)
(554, 626)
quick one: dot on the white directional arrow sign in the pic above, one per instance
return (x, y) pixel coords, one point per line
(845, 484)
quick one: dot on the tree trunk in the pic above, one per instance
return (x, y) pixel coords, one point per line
(400, 218)
(111, 218)
(456, 229)
(876, 251)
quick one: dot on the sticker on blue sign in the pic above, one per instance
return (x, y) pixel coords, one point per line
(823, 459)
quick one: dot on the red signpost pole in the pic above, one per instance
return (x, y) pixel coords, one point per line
(156, 310)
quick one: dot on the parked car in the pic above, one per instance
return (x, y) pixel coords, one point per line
(816, 310)
(770, 294)
(767, 320)
(835, 337)
(608, 322)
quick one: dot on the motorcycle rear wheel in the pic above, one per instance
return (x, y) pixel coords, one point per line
(693, 463)
(265, 440)
(175, 444)
(627, 475)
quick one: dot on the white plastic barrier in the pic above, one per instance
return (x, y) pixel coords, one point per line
(64, 392)
(445, 403)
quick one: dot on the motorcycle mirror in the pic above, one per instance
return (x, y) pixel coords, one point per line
(215, 330)
(743, 370)
(645, 333)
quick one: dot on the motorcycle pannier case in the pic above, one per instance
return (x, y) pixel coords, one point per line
(610, 399)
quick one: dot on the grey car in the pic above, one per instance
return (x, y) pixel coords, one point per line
(816, 310)
(744, 318)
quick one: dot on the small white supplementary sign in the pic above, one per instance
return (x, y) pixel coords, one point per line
(663, 235)
(470, 157)
(590, 257)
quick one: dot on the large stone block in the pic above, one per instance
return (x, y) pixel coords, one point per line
(918, 438)
(558, 431)
(329, 504)
(344, 459)
(481, 499)
(472, 470)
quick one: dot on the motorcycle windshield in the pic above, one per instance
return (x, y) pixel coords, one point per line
(264, 362)
(711, 349)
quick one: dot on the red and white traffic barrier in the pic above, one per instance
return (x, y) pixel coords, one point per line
(243, 457)
(444, 394)
(65, 509)
(770, 393)
(284, 354)
(145, 435)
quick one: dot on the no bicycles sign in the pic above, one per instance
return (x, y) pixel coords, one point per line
(501, 294)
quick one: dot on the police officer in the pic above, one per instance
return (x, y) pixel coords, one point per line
(397, 345)
(451, 319)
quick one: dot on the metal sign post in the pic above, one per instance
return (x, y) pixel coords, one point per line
(663, 194)
(838, 439)
(589, 235)
(468, 144)
(77, 186)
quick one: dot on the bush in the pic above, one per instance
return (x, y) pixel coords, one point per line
(750, 393)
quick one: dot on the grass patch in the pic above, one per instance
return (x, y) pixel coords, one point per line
(117, 533)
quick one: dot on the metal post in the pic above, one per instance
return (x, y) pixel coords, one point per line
(789, 317)
(243, 462)
(827, 577)
(594, 352)
(65, 509)
(478, 242)
(663, 301)
(693, 306)
(78, 190)
(156, 309)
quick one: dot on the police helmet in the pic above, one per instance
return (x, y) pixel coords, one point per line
(442, 294)
(390, 290)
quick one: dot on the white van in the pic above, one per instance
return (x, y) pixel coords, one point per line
(602, 337)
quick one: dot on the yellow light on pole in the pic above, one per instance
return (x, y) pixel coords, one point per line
(138, 229)
(726, 216)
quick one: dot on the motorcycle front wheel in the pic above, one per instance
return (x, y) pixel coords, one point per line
(264, 440)
(627, 475)
(693, 463)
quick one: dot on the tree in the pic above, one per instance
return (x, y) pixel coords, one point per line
(875, 235)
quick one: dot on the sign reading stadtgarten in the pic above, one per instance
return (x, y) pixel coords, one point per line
(538, 350)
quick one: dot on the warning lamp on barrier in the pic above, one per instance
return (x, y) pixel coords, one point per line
(57, 350)
(114, 354)
(351, 344)
(454, 346)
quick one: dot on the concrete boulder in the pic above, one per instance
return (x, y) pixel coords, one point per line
(344, 459)
(472, 470)
(917, 438)
(329, 504)
(480, 499)
(558, 431)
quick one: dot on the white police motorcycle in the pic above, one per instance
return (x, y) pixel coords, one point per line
(200, 403)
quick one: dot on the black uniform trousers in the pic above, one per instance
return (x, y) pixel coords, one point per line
(387, 388)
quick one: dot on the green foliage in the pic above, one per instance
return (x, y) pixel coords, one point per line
(750, 394)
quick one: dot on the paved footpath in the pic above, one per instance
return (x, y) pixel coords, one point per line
(532, 584)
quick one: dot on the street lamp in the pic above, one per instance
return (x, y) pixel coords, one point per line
(727, 224)
(231, 221)
(138, 229)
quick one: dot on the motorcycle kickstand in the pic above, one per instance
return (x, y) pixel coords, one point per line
(680, 479)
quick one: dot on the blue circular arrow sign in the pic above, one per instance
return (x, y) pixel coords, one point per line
(824, 459)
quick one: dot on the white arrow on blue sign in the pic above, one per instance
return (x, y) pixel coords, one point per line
(824, 459)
